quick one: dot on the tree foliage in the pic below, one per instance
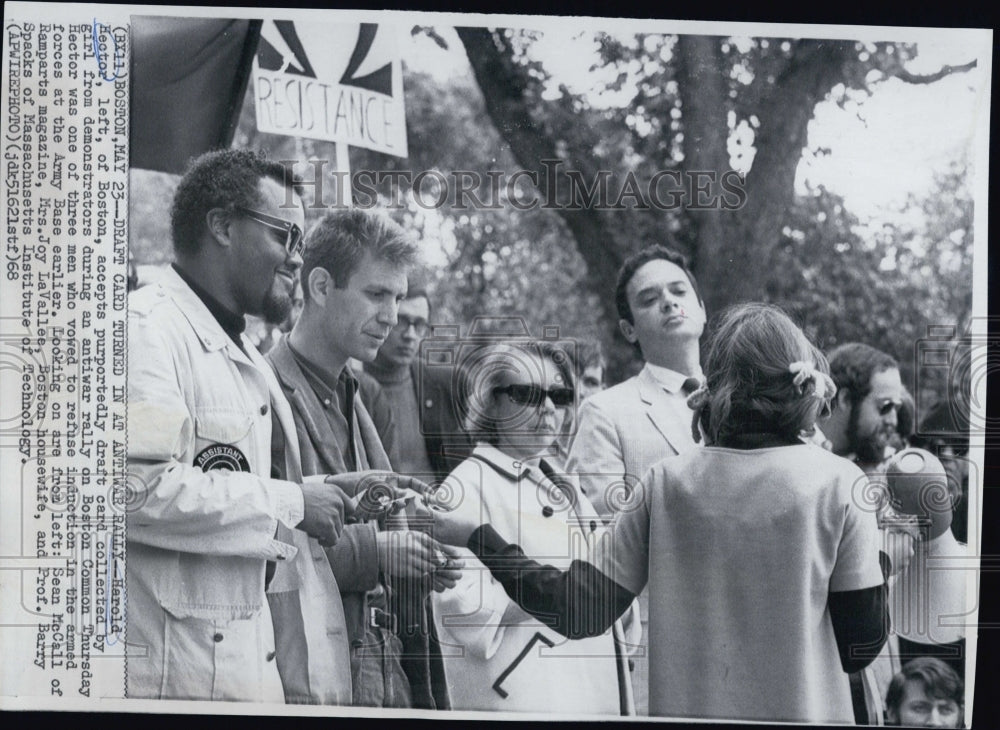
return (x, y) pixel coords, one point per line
(655, 103)
(703, 103)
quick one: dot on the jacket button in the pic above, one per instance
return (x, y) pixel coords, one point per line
(263, 410)
(217, 638)
(270, 656)
(547, 511)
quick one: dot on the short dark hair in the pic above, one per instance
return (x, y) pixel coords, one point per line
(226, 179)
(416, 287)
(635, 262)
(589, 353)
(341, 238)
(939, 680)
(852, 366)
(943, 425)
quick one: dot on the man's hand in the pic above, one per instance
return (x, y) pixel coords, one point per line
(447, 573)
(417, 556)
(355, 482)
(324, 507)
(375, 493)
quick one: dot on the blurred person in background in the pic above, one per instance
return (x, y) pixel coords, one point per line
(413, 406)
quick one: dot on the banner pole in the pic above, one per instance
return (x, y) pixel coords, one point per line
(343, 163)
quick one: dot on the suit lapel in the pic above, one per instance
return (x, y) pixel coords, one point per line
(660, 412)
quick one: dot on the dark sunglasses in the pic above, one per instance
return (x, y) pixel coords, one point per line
(294, 239)
(404, 323)
(888, 406)
(534, 395)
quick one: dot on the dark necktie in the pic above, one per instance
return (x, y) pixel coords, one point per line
(690, 385)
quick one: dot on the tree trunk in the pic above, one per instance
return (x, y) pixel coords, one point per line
(503, 86)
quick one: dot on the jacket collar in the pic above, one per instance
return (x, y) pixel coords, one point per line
(501, 462)
(505, 464)
(205, 325)
(303, 399)
(653, 378)
(567, 485)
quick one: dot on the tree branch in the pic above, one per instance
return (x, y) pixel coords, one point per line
(912, 78)
(505, 93)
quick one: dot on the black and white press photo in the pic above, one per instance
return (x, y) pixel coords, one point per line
(565, 368)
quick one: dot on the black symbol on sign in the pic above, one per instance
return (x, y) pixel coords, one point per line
(295, 60)
(379, 80)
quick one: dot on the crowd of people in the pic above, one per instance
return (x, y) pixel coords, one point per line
(745, 535)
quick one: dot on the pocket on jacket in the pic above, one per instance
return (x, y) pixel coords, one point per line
(214, 659)
(222, 425)
(222, 439)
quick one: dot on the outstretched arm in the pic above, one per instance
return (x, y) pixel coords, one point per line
(577, 603)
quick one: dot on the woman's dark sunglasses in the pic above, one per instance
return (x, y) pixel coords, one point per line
(534, 395)
(293, 234)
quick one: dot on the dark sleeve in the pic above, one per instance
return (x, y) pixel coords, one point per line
(861, 622)
(354, 559)
(577, 603)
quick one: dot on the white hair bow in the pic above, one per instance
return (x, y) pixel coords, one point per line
(804, 372)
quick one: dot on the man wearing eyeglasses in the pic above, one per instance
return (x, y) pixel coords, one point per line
(227, 582)
(864, 413)
(422, 435)
(860, 427)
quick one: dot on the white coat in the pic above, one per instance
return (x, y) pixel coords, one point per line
(496, 656)
(204, 518)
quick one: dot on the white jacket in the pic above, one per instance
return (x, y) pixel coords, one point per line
(517, 663)
(204, 517)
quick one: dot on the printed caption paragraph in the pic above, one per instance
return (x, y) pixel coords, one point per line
(65, 162)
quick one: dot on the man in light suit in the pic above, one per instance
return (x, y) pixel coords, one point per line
(626, 429)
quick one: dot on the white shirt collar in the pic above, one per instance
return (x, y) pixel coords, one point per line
(671, 380)
(513, 468)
